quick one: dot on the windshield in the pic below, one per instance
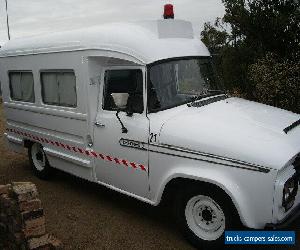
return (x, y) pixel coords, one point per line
(177, 82)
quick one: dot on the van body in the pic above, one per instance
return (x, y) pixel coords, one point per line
(134, 107)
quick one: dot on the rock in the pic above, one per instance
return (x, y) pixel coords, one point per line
(4, 189)
(22, 219)
(44, 242)
(24, 191)
(35, 227)
(29, 215)
(30, 205)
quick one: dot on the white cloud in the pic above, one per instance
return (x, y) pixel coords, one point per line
(31, 17)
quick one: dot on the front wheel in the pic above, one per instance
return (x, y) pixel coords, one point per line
(39, 161)
(204, 215)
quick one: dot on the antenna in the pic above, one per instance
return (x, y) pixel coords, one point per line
(7, 23)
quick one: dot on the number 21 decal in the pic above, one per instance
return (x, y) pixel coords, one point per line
(153, 138)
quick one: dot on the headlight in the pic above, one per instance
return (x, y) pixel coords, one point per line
(289, 192)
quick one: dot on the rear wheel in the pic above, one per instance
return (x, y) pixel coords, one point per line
(39, 161)
(204, 215)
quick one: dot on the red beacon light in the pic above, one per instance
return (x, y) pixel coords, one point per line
(168, 11)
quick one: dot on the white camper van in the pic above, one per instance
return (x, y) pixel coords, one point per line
(137, 108)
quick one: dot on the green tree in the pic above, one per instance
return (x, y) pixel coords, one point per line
(214, 37)
(265, 25)
(230, 55)
(257, 29)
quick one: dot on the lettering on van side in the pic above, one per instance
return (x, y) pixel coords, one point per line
(132, 144)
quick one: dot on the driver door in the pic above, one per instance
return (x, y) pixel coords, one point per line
(122, 158)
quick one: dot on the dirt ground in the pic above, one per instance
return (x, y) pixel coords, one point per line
(87, 216)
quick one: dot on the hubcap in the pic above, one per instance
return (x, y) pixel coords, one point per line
(38, 157)
(205, 218)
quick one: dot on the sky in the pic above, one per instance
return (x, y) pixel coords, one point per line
(34, 17)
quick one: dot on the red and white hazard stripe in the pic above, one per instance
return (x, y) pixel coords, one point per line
(89, 153)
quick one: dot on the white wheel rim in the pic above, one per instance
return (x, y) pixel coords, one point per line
(38, 157)
(205, 218)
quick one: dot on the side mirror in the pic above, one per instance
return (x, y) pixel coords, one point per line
(124, 129)
(120, 100)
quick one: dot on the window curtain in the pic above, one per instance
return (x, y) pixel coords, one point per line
(15, 86)
(50, 88)
(67, 89)
(27, 87)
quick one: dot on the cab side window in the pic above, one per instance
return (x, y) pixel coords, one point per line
(123, 87)
(21, 86)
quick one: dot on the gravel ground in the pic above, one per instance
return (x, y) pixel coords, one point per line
(87, 216)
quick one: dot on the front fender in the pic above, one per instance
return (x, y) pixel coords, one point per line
(251, 192)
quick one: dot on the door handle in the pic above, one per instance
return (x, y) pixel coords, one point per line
(99, 124)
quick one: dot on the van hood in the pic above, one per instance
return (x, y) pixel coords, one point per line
(237, 129)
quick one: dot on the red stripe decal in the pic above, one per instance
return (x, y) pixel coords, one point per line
(133, 165)
(125, 163)
(79, 150)
(94, 154)
(142, 167)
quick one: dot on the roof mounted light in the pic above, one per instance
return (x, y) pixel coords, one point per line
(168, 11)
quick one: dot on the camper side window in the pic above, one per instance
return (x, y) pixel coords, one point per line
(123, 89)
(59, 88)
(21, 86)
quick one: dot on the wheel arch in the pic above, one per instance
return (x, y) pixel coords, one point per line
(27, 143)
(173, 183)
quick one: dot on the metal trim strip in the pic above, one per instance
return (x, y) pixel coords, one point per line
(242, 164)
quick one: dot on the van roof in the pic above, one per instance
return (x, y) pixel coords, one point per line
(147, 41)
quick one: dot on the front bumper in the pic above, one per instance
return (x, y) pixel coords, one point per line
(287, 222)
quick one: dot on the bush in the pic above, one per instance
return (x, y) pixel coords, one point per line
(277, 81)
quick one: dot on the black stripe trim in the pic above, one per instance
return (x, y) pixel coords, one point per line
(185, 150)
(262, 170)
(291, 127)
(247, 166)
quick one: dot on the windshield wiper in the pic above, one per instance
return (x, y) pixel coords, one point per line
(212, 93)
(209, 93)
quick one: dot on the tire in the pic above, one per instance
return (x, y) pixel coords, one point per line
(38, 161)
(204, 214)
